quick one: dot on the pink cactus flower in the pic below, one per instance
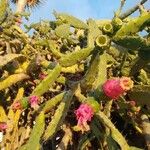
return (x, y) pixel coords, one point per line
(42, 75)
(16, 105)
(33, 101)
(83, 114)
(113, 88)
(3, 126)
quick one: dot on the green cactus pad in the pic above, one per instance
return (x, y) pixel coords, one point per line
(75, 57)
(63, 31)
(58, 117)
(71, 20)
(47, 82)
(34, 141)
(4, 60)
(12, 79)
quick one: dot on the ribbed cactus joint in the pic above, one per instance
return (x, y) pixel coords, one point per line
(59, 116)
(102, 41)
(47, 82)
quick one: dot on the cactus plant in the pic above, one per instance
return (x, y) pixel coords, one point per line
(38, 129)
(3, 10)
(46, 76)
(75, 57)
(71, 20)
(58, 116)
(47, 82)
(116, 135)
(12, 79)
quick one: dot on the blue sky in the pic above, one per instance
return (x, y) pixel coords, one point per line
(83, 9)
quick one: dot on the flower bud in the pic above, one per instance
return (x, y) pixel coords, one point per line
(33, 101)
(3, 126)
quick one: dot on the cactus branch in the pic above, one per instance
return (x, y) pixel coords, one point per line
(75, 57)
(52, 102)
(146, 130)
(12, 79)
(47, 82)
(116, 135)
(59, 116)
(132, 10)
(38, 129)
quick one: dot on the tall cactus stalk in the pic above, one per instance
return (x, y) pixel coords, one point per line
(59, 116)
(3, 10)
(116, 135)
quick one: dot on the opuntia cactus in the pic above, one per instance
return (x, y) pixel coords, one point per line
(66, 66)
